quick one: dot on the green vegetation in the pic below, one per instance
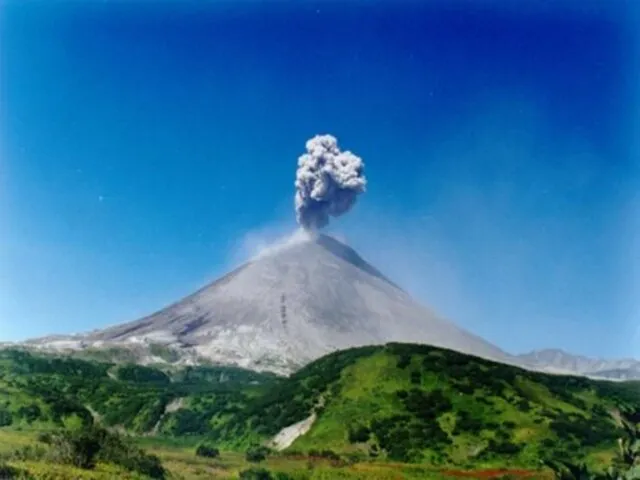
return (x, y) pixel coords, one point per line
(256, 453)
(256, 474)
(167, 354)
(206, 449)
(399, 404)
(49, 392)
(178, 460)
(420, 404)
(84, 448)
(625, 466)
(141, 374)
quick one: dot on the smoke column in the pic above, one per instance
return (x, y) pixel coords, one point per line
(327, 182)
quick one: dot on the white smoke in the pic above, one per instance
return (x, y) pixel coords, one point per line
(327, 182)
(267, 241)
(270, 248)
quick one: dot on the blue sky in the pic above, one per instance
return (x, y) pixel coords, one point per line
(145, 148)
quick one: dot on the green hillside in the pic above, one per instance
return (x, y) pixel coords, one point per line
(413, 404)
(47, 391)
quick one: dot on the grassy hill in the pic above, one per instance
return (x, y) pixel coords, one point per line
(410, 404)
(415, 403)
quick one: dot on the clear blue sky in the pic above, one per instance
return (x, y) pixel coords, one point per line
(143, 147)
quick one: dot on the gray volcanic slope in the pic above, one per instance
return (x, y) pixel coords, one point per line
(287, 308)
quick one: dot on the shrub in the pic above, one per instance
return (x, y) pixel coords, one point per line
(567, 470)
(404, 360)
(256, 453)
(467, 423)
(6, 418)
(188, 422)
(7, 472)
(466, 388)
(404, 437)
(29, 453)
(30, 412)
(207, 450)
(255, 474)
(589, 432)
(548, 444)
(144, 463)
(402, 394)
(44, 437)
(121, 451)
(62, 407)
(359, 434)
(141, 374)
(426, 405)
(599, 410)
(76, 447)
(504, 447)
(330, 454)
(84, 448)
(283, 476)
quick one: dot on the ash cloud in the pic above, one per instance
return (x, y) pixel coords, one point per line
(328, 181)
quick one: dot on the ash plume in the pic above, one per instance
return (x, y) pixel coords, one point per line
(327, 182)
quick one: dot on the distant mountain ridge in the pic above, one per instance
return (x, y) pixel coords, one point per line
(558, 361)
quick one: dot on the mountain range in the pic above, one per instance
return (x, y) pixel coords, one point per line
(559, 361)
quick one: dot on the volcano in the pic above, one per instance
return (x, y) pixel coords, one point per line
(286, 308)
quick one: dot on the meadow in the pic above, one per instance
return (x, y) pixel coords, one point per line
(181, 463)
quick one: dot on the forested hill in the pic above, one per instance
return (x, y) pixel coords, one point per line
(43, 391)
(419, 403)
(409, 403)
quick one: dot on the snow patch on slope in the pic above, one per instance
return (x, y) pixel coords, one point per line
(285, 437)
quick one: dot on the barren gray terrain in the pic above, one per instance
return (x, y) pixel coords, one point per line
(286, 308)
